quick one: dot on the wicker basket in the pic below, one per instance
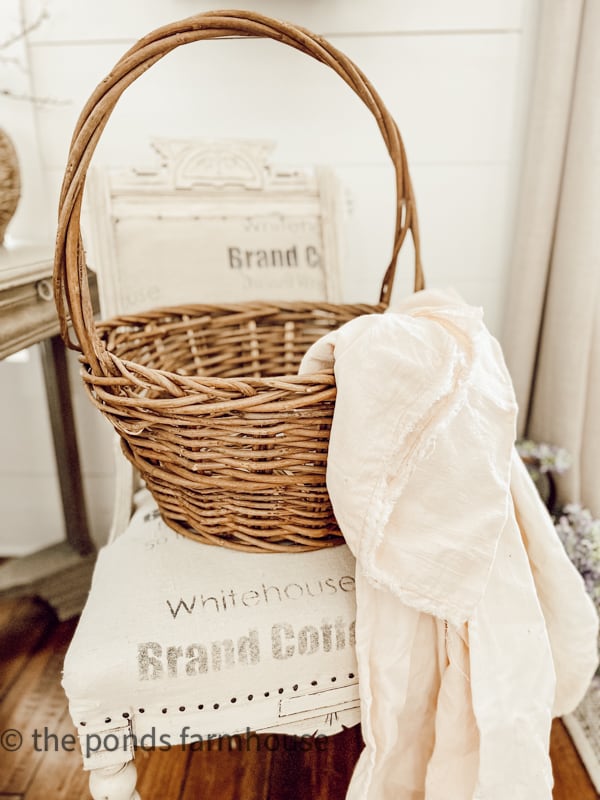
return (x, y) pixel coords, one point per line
(231, 442)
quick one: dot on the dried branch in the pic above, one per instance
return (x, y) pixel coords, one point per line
(26, 30)
(13, 61)
(38, 101)
(16, 62)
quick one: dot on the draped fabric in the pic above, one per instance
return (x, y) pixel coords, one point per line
(551, 336)
(473, 627)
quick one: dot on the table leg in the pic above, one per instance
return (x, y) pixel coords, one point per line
(56, 379)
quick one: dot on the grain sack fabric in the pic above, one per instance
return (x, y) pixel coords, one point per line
(473, 627)
(176, 633)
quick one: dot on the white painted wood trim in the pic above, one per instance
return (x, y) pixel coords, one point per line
(114, 783)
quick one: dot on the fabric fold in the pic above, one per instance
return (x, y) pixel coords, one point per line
(414, 389)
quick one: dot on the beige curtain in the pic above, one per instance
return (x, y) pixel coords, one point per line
(552, 325)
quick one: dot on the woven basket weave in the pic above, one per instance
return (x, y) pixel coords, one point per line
(231, 442)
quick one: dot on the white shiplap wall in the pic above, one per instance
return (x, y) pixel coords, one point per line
(454, 75)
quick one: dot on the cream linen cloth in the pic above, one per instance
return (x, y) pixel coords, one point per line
(473, 627)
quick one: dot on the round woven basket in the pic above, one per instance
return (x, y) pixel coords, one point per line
(10, 182)
(231, 442)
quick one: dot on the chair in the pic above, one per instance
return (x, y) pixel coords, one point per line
(180, 640)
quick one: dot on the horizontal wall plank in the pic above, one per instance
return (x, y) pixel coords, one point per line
(31, 512)
(114, 19)
(27, 442)
(465, 234)
(453, 98)
(32, 516)
(31, 507)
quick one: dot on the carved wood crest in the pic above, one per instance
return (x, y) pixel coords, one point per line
(212, 221)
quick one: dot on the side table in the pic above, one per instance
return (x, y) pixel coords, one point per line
(60, 574)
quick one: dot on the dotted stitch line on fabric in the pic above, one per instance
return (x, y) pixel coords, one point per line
(216, 706)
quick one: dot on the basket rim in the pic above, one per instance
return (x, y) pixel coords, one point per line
(119, 372)
(285, 382)
(265, 308)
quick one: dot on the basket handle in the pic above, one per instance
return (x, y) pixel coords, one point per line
(71, 288)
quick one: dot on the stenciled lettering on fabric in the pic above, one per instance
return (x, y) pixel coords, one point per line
(240, 258)
(263, 595)
(157, 661)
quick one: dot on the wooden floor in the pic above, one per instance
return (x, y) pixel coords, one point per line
(32, 646)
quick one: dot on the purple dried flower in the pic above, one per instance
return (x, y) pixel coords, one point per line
(544, 457)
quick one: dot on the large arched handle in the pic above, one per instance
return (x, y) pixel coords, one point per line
(70, 278)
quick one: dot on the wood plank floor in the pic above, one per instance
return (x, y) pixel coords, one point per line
(32, 646)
